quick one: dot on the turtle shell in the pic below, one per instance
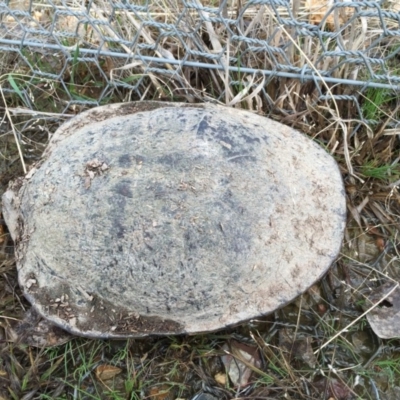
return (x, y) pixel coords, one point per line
(164, 218)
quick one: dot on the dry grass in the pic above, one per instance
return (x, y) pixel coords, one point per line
(319, 347)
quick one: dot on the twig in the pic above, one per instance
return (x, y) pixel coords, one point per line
(21, 157)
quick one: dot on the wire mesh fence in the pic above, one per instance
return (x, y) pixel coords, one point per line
(61, 56)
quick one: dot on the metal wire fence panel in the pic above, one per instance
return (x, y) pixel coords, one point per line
(64, 54)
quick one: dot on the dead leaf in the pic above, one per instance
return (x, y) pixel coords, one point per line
(321, 308)
(105, 372)
(240, 360)
(372, 230)
(299, 348)
(380, 243)
(159, 392)
(220, 378)
(385, 318)
(333, 388)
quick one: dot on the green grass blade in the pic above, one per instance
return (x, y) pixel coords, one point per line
(15, 87)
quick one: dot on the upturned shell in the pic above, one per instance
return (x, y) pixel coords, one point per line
(160, 218)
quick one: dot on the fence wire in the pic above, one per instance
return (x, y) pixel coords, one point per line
(87, 52)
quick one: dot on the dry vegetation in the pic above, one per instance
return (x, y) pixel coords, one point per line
(319, 347)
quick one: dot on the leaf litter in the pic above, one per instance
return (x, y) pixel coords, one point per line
(240, 361)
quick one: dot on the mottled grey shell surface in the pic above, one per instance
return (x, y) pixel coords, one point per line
(160, 218)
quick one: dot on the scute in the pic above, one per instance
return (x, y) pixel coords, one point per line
(165, 218)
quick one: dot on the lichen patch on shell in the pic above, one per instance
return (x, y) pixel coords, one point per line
(166, 218)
